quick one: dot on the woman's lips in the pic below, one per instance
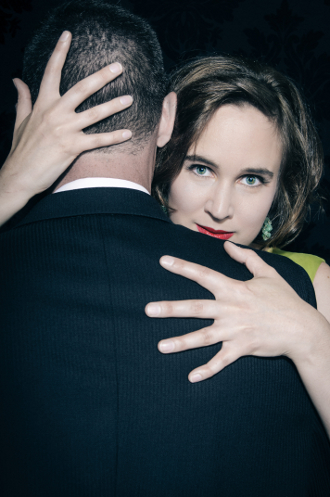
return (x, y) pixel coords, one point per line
(223, 235)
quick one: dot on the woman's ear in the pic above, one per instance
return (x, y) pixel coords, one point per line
(167, 119)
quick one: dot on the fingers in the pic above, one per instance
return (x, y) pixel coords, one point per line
(78, 93)
(203, 309)
(207, 278)
(96, 114)
(226, 356)
(86, 87)
(89, 142)
(50, 83)
(201, 338)
(24, 104)
(249, 258)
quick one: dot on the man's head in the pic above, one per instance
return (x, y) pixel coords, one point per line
(101, 34)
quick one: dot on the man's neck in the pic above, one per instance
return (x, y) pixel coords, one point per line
(136, 169)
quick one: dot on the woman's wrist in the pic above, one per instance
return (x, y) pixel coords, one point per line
(312, 339)
(13, 195)
(313, 365)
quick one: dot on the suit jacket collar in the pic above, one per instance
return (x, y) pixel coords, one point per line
(94, 201)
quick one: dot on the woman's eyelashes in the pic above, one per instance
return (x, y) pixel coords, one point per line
(200, 170)
(253, 180)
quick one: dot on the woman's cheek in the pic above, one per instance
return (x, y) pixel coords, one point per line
(253, 215)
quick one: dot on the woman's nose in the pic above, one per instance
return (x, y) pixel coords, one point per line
(220, 204)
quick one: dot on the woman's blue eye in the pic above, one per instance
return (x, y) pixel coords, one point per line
(201, 170)
(251, 180)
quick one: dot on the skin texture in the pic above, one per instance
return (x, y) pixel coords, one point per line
(321, 286)
(218, 186)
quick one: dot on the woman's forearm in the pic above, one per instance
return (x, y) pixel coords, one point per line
(12, 197)
(313, 363)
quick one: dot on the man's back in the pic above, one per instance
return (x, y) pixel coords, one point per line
(92, 408)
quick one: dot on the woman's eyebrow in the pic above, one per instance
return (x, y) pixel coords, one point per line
(257, 170)
(199, 158)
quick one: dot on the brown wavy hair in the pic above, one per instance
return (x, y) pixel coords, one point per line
(205, 84)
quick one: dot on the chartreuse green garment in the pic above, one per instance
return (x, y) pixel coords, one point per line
(309, 262)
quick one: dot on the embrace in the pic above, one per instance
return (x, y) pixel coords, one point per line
(158, 199)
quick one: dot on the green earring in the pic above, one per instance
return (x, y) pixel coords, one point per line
(164, 209)
(267, 229)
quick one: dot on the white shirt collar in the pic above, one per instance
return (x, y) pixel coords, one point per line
(100, 183)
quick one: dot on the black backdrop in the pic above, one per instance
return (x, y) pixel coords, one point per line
(292, 35)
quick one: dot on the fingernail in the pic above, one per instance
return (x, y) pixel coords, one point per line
(127, 134)
(14, 82)
(126, 100)
(153, 309)
(167, 261)
(195, 378)
(115, 67)
(166, 346)
(65, 35)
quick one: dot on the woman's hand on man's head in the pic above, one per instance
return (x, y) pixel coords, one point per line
(49, 136)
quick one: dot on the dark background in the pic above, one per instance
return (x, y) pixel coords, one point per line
(291, 35)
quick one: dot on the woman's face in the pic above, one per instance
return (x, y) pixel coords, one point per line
(229, 177)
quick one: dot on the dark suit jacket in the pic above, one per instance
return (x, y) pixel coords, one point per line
(89, 405)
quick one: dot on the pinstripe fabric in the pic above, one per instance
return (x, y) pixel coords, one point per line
(91, 408)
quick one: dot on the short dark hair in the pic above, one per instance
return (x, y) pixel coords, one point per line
(103, 33)
(205, 84)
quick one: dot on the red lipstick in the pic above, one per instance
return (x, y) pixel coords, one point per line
(223, 235)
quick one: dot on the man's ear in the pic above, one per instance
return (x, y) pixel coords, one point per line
(167, 119)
